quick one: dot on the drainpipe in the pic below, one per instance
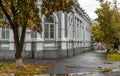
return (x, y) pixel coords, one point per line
(73, 34)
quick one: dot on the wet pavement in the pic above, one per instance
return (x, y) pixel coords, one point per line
(82, 63)
(78, 74)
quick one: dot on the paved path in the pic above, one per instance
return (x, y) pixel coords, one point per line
(82, 63)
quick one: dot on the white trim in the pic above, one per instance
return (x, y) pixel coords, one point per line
(54, 16)
(55, 24)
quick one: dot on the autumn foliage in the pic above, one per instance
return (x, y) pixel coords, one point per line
(109, 21)
(50, 6)
(97, 33)
(27, 70)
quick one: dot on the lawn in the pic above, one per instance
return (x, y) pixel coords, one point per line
(27, 70)
(114, 56)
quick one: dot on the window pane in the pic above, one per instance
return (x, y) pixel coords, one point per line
(46, 27)
(49, 19)
(46, 34)
(33, 34)
(3, 33)
(51, 34)
(7, 34)
(52, 27)
(46, 31)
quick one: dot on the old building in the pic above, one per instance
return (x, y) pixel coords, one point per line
(64, 35)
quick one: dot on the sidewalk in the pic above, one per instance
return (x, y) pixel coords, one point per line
(32, 61)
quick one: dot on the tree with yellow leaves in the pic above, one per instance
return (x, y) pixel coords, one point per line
(97, 33)
(109, 21)
(24, 14)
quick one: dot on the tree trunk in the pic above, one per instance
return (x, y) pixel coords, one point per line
(18, 53)
(19, 63)
(19, 42)
(18, 57)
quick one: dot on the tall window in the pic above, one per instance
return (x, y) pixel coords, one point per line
(49, 27)
(5, 33)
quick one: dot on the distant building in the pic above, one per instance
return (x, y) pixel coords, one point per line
(64, 35)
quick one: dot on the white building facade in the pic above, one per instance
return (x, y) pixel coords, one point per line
(64, 35)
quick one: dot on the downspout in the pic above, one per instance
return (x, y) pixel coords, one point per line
(73, 34)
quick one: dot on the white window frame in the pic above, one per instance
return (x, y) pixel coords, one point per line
(5, 33)
(49, 31)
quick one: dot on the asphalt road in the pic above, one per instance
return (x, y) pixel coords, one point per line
(85, 62)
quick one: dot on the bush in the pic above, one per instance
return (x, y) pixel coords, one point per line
(114, 56)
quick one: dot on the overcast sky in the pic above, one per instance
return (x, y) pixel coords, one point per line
(90, 6)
